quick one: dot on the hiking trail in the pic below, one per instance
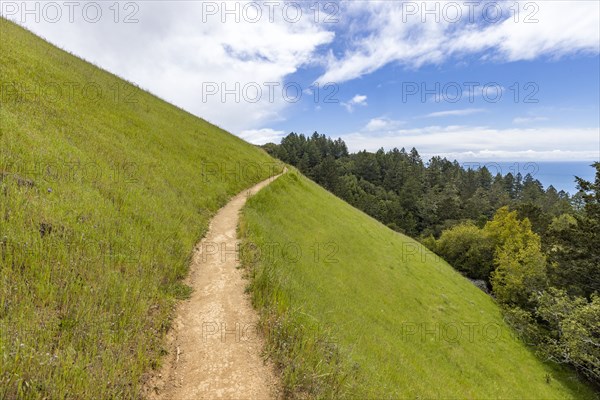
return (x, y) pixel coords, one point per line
(214, 349)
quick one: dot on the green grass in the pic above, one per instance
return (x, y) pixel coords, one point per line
(373, 314)
(104, 190)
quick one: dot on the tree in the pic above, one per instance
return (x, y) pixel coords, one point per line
(367, 167)
(575, 251)
(468, 249)
(485, 178)
(520, 264)
(509, 185)
(536, 215)
(518, 187)
(572, 326)
(397, 188)
(533, 191)
(499, 196)
(350, 190)
(478, 206)
(326, 174)
(449, 203)
(520, 272)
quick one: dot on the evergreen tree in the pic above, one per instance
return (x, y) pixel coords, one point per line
(575, 253)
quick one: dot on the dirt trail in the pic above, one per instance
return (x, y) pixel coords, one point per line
(214, 347)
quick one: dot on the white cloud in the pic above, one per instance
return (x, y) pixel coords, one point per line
(450, 113)
(395, 36)
(178, 52)
(382, 124)
(527, 120)
(357, 100)
(472, 142)
(555, 28)
(262, 136)
(175, 52)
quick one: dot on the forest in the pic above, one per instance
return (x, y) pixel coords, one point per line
(536, 250)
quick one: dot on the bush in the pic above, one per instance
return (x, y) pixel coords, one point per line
(468, 249)
(573, 335)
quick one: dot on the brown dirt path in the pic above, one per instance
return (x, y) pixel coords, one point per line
(214, 348)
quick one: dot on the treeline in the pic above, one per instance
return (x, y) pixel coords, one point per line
(413, 197)
(536, 249)
(548, 285)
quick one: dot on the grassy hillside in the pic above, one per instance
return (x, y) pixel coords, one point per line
(354, 309)
(104, 189)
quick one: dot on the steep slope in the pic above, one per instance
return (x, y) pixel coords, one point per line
(214, 346)
(354, 309)
(104, 190)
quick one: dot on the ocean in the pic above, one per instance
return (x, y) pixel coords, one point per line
(560, 174)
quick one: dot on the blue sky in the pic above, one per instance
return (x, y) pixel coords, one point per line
(541, 57)
(541, 93)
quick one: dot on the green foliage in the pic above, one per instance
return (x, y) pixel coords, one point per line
(398, 189)
(562, 223)
(506, 248)
(367, 316)
(563, 328)
(104, 191)
(506, 229)
(573, 330)
(539, 219)
(520, 272)
(468, 249)
(575, 246)
(434, 200)
(520, 264)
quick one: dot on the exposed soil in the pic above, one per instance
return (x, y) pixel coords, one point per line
(214, 346)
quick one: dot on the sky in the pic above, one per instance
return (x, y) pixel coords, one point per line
(469, 80)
